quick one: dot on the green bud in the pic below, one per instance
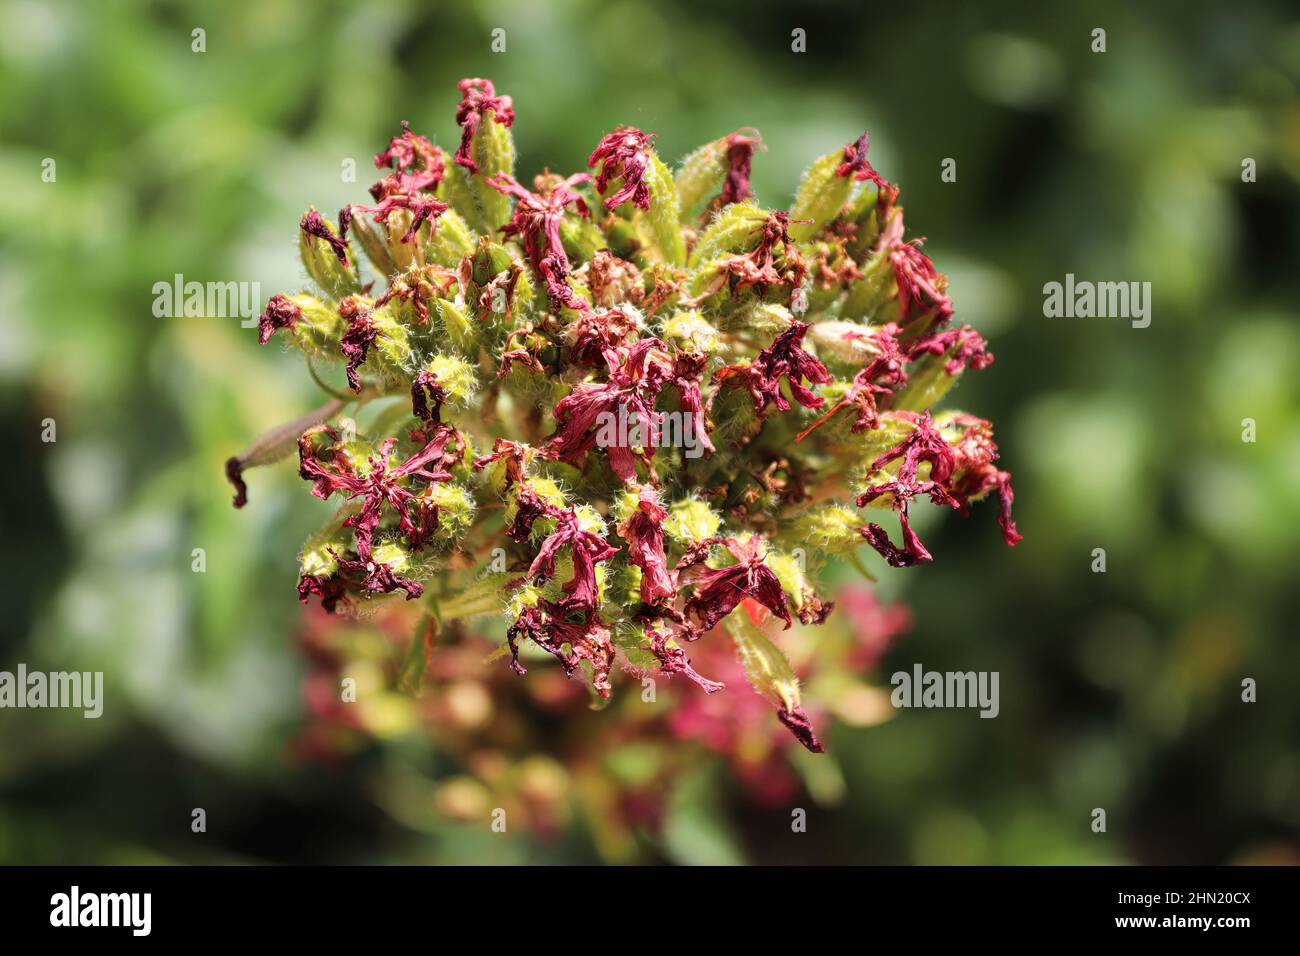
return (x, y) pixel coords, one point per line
(734, 418)
(318, 330)
(766, 666)
(790, 574)
(322, 263)
(455, 376)
(862, 212)
(631, 638)
(623, 590)
(493, 150)
(625, 503)
(315, 559)
(374, 243)
(391, 355)
(755, 315)
(820, 197)
(456, 510)
(391, 549)
(450, 241)
(689, 331)
(662, 214)
(461, 331)
(736, 229)
(701, 175)
(691, 520)
(842, 346)
(832, 529)
(522, 598)
(868, 297)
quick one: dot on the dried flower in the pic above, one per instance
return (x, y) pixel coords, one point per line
(723, 347)
(623, 153)
(478, 97)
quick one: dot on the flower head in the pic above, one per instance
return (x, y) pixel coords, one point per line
(686, 338)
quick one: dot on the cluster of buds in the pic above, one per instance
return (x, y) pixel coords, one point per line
(781, 371)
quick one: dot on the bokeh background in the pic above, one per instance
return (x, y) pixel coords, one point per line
(1119, 690)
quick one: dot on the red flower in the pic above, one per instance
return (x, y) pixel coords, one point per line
(673, 660)
(357, 338)
(384, 484)
(586, 634)
(644, 533)
(478, 96)
(235, 475)
(587, 549)
(528, 508)
(314, 225)
(376, 578)
(330, 589)
(636, 375)
(419, 164)
(881, 376)
(425, 390)
(537, 220)
(688, 369)
(719, 591)
(784, 358)
(531, 624)
(551, 626)
(921, 288)
(976, 474)
(516, 456)
(856, 164)
(971, 349)
(280, 313)
(391, 198)
(595, 333)
(624, 152)
(758, 268)
(740, 155)
(924, 444)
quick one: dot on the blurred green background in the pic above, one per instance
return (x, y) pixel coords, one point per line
(1119, 690)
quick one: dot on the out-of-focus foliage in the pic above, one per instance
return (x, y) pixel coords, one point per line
(1118, 690)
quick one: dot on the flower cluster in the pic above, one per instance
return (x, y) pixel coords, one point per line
(782, 369)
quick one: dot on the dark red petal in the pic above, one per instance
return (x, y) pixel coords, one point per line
(235, 475)
(801, 727)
